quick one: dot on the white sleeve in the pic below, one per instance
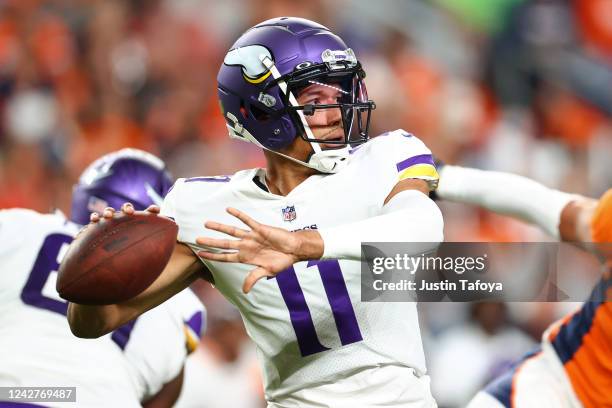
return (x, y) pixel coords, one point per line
(410, 216)
(176, 325)
(156, 362)
(168, 206)
(192, 313)
(506, 194)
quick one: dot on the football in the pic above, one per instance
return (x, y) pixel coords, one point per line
(116, 259)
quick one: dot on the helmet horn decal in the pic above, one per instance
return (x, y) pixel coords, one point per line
(250, 59)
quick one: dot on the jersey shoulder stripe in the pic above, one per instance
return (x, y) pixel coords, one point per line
(194, 329)
(410, 157)
(417, 166)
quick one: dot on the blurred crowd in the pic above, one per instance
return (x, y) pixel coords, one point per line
(512, 85)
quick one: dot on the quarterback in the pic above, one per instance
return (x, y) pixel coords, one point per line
(295, 89)
(125, 368)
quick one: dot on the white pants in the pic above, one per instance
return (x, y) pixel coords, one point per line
(538, 381)
(385, 386)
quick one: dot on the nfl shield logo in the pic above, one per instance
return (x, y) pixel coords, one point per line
(289, 213)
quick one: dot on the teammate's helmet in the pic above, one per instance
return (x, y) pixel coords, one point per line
(128, 175)
(261, 74)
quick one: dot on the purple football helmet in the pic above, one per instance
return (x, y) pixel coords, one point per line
(128, 175)
(262, 73)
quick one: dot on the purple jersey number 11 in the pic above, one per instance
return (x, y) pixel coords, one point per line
(339, 300)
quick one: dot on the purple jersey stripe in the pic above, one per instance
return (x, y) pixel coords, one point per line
(121, 336)
(196, 323)
(218, 179)
(420, 159)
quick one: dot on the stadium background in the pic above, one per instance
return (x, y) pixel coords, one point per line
(512, 85)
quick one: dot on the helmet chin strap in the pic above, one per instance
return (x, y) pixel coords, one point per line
(325, 161)
(328, 161)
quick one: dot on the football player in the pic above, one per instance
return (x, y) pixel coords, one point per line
(140, 362)
(571, 367)
(295, 89)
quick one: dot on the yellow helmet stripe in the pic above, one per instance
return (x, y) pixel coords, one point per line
(258, 80)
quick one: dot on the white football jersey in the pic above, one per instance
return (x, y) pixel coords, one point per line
(308, 323)
(36, 345)
(161, 339)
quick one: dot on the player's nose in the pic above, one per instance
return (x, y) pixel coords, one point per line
(334, 117)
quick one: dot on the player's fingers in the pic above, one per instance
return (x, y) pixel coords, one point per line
(94, 217)
(243, 217)
(154, 209)
(226, 229)
(218, 243)
(252, 278)
(127, 208)
(108, 212)
(221, 257)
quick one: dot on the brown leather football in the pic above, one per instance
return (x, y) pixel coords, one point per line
(114, 260)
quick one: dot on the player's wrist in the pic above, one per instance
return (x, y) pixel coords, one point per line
(310, 245)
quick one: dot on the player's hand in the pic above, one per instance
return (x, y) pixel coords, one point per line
(127, 208)
(270, 249)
